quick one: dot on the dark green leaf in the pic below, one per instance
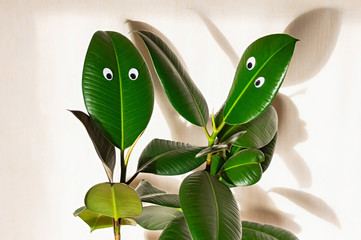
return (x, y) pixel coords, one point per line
(259, 75)
(268, 151)
(148, 193)
(217, 164)
(183, 94)
(116, 200)
(157, 217)
(117, 88)
(105, 150)
(165, 157)
(178, 227)
(209, 208)
(257, 231)
(244, 168)
(259, 132)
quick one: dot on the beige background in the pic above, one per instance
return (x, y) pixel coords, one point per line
(48, 163)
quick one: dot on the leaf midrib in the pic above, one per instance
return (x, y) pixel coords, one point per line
(215, 204)
(239, 165)
(254, 76)
(256, 230)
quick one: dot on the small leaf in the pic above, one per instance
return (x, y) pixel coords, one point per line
(156, 217)
(268, 151)
(209, 208)
(117, 88)
(148, 193)
(104, 149)
(243, 169)
(116, 200)
(259, 75)
(165, 157)
(181, 91)
(217, 164)
(94, 220)
(178, 227)
(259, 132)
(252, 231)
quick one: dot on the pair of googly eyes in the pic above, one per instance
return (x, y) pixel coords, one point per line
(132, 74)
(251, 62)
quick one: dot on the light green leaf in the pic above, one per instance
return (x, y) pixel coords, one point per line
(104, 149)
(156, 217)
(259, 132)
(244, 168)
(178, 227)
(209, 208)
(259, 75)
(165, 157)
(148, 193)
(116, 200)
(117, 88)
(181, 91)
(257, 231)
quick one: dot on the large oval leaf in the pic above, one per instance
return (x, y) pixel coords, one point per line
(259, 75)
(104, 149)
(156, 217)
(253, 231)
(165, 157)
(181, 91)
(258, 132)
(209, 208)
(178, 227)
(117, 88)
(116, 200)
(244, 168)
(148, 193)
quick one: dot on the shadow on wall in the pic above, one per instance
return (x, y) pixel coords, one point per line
(318, 31)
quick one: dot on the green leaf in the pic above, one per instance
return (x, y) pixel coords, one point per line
(117, 88)
(178, 227)
(209, 208)
(259, 75)
(183, 94)
(244, 168)
(156, 217)
(257, 231)
(98, 221)
(104, 149)
(148, 193)
(116, 200)
(259, 132)
(165, 157)
(217, 164)
(268, 151)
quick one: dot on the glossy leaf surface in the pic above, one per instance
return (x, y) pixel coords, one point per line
(165, 157)
(116, 200)
(156, 217)
(244, 168)
(217, 164)
(178, 227)
(117, 88)
(268, 151)
(209, 208)
(181, 91)
(258, 77)
(148, 193)
(258, 132)
(253, 231)
(104, 149)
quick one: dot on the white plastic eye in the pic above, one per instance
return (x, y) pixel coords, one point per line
(259, 82)
(133, 74)
(108, 74)
(251, 62)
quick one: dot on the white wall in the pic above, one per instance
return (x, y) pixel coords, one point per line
(48, 162)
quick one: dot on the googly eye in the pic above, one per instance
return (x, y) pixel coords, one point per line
(251, 62)
(259, 82)
(133, 74)
(108, 74)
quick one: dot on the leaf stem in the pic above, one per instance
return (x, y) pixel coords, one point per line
(211, 140)
(131, 149)
(123, 167)
(116, 227)
(206, 132)
(132, 178)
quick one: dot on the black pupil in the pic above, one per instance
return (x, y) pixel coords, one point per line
(109, 76)
(249, 65)
(258, 82)
(133, 76)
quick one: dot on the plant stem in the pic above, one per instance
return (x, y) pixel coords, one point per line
(123, 167)
(211, 140)
(116, 227)
(132, 178)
